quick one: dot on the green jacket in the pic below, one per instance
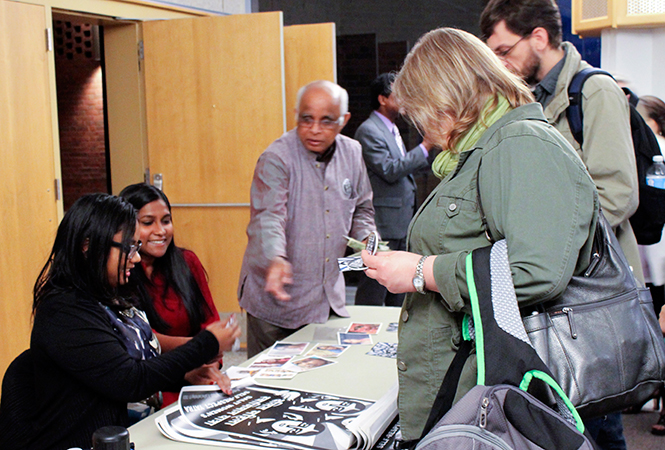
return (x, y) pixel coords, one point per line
(608, 147)
(537, 194)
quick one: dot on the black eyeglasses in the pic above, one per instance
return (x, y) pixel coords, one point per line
(503, 53)
(131, 250)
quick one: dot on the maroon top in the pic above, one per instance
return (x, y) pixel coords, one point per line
(171, 308)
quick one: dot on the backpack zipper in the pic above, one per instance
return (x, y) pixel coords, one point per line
(482, 422)
(469, 431)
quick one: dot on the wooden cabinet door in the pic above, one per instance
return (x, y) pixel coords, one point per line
(309, 55)
(214, 102)
(28, 207)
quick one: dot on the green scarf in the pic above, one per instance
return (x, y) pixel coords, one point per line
(446, 161)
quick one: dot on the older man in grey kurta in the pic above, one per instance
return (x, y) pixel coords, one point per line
(310, 189)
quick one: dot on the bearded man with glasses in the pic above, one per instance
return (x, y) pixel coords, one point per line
(310, 189)
(526, 35)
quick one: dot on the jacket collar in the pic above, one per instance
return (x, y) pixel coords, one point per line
(573, 64)
(387, 135)
(531, 111)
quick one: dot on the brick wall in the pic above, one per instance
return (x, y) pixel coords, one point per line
(80, 112)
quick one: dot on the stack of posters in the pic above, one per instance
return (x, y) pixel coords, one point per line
(257, 416)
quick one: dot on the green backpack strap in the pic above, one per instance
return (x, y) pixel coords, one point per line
(503, 350)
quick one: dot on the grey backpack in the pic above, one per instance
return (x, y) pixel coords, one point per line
(499, 413)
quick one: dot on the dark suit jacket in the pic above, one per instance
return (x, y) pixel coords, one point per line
(391, 177)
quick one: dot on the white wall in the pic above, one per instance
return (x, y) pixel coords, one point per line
(638, 55)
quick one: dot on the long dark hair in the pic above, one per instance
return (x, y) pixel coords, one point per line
(172, 266)
(655, 109)
(81, 250)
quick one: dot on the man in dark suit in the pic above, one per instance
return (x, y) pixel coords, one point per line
(390, 168)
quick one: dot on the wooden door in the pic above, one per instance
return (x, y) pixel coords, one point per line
(309, 55)
(125, 105)
(28, 205)
(214, 102)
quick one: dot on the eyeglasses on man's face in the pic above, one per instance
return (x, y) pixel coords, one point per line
(130, 250)
(326, 123)
(505, 52)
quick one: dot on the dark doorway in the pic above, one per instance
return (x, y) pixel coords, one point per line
(79, 70)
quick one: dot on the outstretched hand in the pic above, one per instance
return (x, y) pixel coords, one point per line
(279, 273)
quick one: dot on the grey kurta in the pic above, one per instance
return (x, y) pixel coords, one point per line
(301, 209)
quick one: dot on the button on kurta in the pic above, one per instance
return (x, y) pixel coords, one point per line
(325, 188)
(401, 365)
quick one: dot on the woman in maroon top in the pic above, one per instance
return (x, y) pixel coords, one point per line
(176, 297)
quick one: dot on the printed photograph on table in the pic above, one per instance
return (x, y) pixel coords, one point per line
(270, 361)
(354, 339)
(309, 363)
(238, 373)
(287, 348)
(384, 349)
(392, 327)
(369, 328)
(327, 350)
(276, 373)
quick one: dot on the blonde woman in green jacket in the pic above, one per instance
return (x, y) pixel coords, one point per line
(534, 189)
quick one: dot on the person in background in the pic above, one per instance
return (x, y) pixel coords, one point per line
(653, 110)
(310, 190)
(390, 168)
(173, 283)
(527, 36)
(91, 350)
(498, 152)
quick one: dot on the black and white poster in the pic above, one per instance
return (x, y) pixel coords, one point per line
(270, 415)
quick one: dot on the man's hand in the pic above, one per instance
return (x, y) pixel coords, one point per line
(279, 273)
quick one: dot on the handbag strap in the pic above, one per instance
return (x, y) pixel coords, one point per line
(483, 217)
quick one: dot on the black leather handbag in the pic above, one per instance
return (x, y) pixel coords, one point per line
(600, 339)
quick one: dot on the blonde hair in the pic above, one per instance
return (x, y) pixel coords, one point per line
(448, 76)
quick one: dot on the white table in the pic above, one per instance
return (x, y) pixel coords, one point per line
(356, 374)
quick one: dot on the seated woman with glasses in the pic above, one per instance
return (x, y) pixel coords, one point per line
(92, 350)
(172, 281)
